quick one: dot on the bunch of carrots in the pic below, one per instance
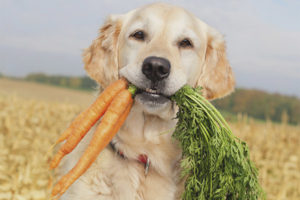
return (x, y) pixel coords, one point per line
(114, 105)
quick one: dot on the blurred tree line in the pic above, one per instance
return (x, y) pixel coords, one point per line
(262, 105)
(83, 83)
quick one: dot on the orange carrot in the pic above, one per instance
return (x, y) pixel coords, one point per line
(72, 126)
(122, 118)
(106, 130)
(84, 121)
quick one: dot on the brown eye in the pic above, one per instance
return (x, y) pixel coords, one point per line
(185, 43)
(139, 35)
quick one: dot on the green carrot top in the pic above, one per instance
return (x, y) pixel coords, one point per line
(217, 164)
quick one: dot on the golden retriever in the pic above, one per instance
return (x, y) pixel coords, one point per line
(158, 48)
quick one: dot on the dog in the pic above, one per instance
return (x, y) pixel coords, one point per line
(159, 48)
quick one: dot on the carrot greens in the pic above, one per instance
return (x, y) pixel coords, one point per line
(216, 163)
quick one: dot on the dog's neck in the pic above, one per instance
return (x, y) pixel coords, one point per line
(150, 134)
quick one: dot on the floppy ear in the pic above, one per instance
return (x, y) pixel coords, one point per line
(217, 77)
(100, 59)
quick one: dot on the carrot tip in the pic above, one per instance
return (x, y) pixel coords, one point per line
(59, 141)
(55, 190)
(56, 160)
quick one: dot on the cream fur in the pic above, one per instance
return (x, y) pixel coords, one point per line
(148, 130)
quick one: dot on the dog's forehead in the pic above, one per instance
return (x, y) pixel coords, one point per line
(162, 15)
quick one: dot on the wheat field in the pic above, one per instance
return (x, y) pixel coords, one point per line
(31, 118)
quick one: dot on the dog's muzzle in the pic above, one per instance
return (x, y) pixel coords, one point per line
(156, 69)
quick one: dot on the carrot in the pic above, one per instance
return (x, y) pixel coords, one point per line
(84, 121)
(106, 130)
(72, 126)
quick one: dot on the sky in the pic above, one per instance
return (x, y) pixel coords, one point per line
(262, 36)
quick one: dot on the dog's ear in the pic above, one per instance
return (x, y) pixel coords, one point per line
(100, 59)
(216, 78)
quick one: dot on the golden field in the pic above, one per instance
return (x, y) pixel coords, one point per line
(32, 116)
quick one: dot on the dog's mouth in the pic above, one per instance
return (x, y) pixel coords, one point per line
(151, 96)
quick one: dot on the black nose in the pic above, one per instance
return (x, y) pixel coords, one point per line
(156, 68)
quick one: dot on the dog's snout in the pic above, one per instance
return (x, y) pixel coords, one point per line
(156, 68)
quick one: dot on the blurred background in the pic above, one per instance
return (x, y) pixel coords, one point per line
(43, 84)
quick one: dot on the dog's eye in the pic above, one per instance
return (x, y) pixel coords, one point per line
(185, 43)
(138, 35)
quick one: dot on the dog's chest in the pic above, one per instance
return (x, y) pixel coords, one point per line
(125, 179)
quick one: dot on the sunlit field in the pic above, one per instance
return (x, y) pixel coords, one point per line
(29, 125)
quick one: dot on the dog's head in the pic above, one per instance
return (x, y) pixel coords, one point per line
(159, 48)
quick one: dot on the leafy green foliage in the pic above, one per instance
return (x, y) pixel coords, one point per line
(216, 163)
